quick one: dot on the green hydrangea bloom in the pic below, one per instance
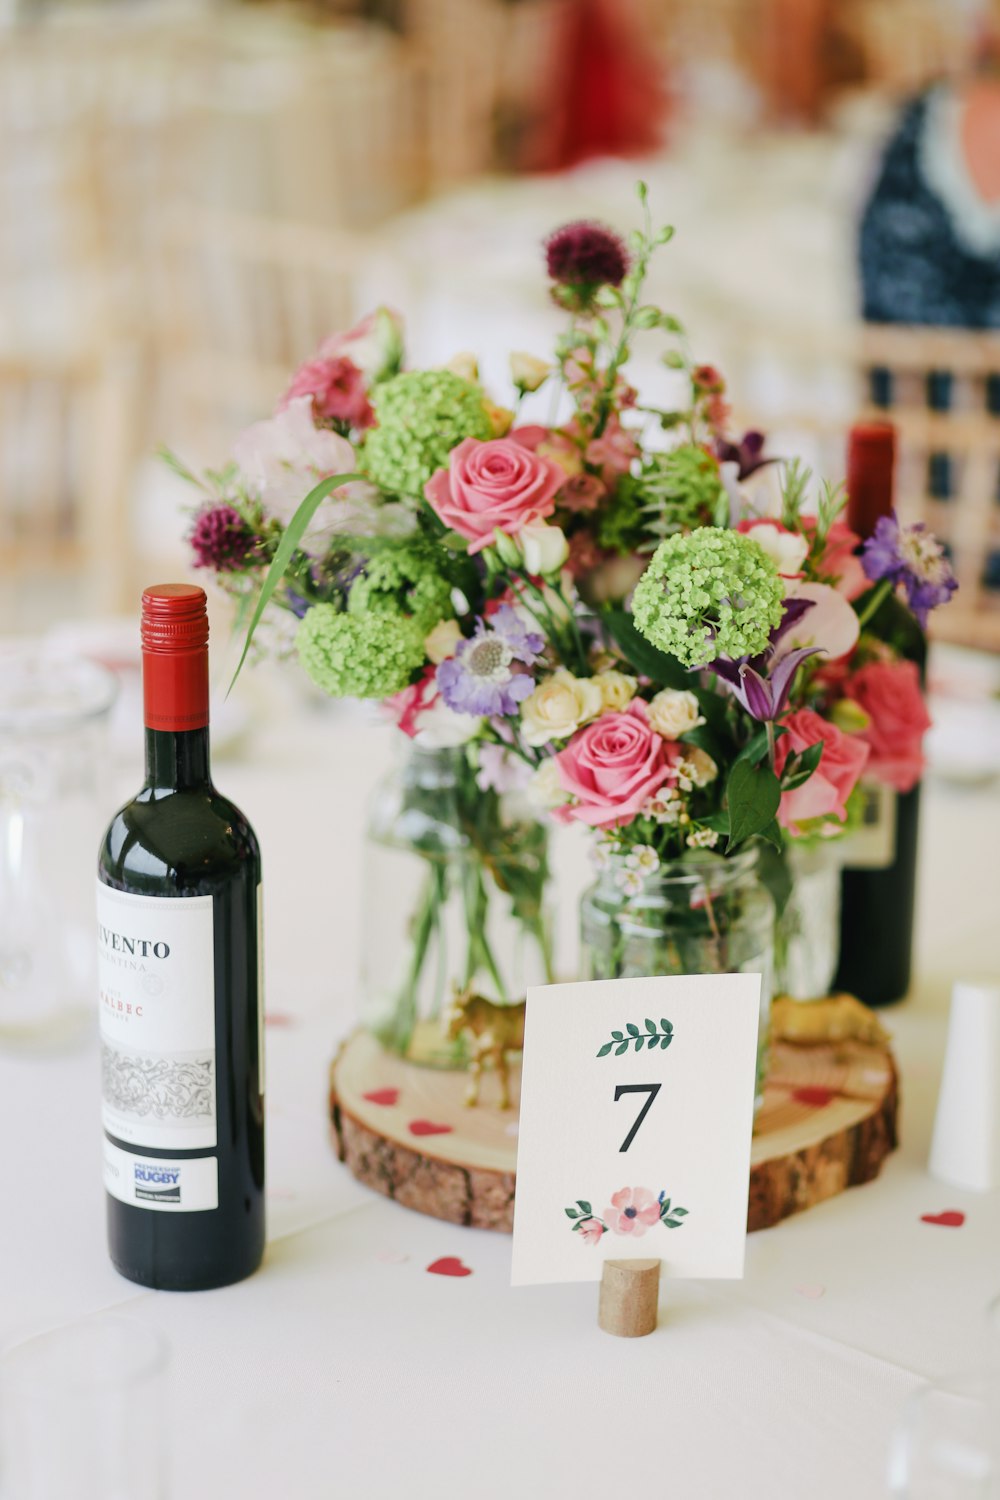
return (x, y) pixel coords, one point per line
(421, 416)
(712, 593)
(404, 580)
(366, 656)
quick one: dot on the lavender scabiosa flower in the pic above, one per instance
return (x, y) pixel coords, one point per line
(482, 677)
(222, 540)
(911, 556)
(764, 692)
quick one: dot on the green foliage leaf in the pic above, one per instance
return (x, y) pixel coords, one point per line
(646, 658)
(631, 1029)
(582, 1203)
(638, 1043)
(571, 1213)
(294, 532)
(616, 1036)
(665, 1042)
(665, 1025)
(623, 1047)
(651, 1026)
(753, 794)
(799, 768)
(605, 1050)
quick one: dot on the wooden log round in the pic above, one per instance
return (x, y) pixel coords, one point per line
(827, 1123)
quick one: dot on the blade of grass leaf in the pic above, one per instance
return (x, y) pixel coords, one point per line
(294, 532)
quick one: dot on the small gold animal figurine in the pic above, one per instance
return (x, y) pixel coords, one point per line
(493, 1031)
(839, 1018)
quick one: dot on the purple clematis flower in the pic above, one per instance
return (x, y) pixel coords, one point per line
(765, 697)
(486, 676)
(748, 453)
(911, 556)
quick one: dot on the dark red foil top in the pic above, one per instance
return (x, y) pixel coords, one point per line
(871, 459)
(175, 656)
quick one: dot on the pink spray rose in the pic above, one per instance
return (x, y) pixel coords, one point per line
(591, 1230)
(632, 1211)
(826, 792)
(889, 692)
(611, 767)
(613, 451)
(581, 492)
(493, 485)
(337, 388)
(839, 558)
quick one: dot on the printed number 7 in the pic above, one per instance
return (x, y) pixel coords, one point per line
(652, 1089)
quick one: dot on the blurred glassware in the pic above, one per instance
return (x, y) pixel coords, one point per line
(82, 1413)
(947, 1446)
(807, 936)
(53, 726)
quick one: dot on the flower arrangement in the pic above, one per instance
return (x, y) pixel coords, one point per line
(625, 611)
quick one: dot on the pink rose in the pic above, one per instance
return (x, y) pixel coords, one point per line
(889, 692)
(496, 485)
(591, 1230)
(611, 767)
(826, 792)
(632, 1211)
(337, 388)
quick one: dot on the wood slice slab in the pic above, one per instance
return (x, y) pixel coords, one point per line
(827, 1123)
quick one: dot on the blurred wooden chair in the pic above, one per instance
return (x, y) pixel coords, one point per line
(905, 44)
(941, 388)
(66, 460)
(237, 302)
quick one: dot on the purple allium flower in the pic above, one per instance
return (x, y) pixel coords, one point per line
(913, 557)
(766, 696)
(585, 254)
(481, 677)
(221, 539)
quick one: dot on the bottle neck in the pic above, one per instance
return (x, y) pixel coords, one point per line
(175, 695)
(177, 760)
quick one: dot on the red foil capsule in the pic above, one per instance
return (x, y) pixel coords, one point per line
(175, 656)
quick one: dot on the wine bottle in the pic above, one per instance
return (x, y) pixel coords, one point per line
(878, 887)
(181, 1003)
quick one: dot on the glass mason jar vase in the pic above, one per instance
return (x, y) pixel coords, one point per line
(807, 938)
(454, 902)
(703, 915)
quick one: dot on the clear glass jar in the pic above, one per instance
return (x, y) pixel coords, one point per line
(699, 915)
(807, 940)
(455, 902)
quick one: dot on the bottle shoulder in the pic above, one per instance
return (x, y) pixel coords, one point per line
(191, 839)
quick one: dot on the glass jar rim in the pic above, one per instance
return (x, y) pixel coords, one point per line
(692, 868)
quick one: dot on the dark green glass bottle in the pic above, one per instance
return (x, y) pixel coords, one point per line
(179, 955)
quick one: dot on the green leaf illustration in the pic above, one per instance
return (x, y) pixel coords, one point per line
(587, 1210)
(638, 1043)
(620, 1049)
(632, 1030)
(665, 1042)
(651, 1036)
(571, 1213)
(616, 1036)
(680, 1210)
(651, 1026)
(665, 1025)
(605, 1049)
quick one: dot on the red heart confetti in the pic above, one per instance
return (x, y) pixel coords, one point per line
(814, 1094)
(382, 1096)
(952, 1218)
(449, 1265)
(428, 1127)
(278, 1018)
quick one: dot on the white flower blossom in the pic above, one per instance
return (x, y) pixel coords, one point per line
(630, 882)
(644, 858)
(702, 838)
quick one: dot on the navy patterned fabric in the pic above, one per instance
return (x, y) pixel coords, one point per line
(914, 269)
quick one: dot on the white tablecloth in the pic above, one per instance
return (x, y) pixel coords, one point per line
(344, 1368)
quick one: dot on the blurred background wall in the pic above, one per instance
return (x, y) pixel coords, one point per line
(193, 195)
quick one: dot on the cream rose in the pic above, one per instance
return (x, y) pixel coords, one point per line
(673, 712)
(528, 372)
(558, 707)
(545, 789)
(698, 767)
(441, 642)
(618, 690)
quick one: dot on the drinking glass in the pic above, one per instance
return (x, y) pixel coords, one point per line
(948, 1444)
(53, 752)
(82, 1414)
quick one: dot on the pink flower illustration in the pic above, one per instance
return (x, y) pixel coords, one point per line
(632, 1211)
(591, 1231)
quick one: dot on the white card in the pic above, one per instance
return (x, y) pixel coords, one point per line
(662, 1171)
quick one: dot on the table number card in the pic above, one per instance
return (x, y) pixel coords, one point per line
(636, 1118)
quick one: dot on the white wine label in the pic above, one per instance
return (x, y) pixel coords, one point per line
(187, 1186)
(156, 973)
(872, 845)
